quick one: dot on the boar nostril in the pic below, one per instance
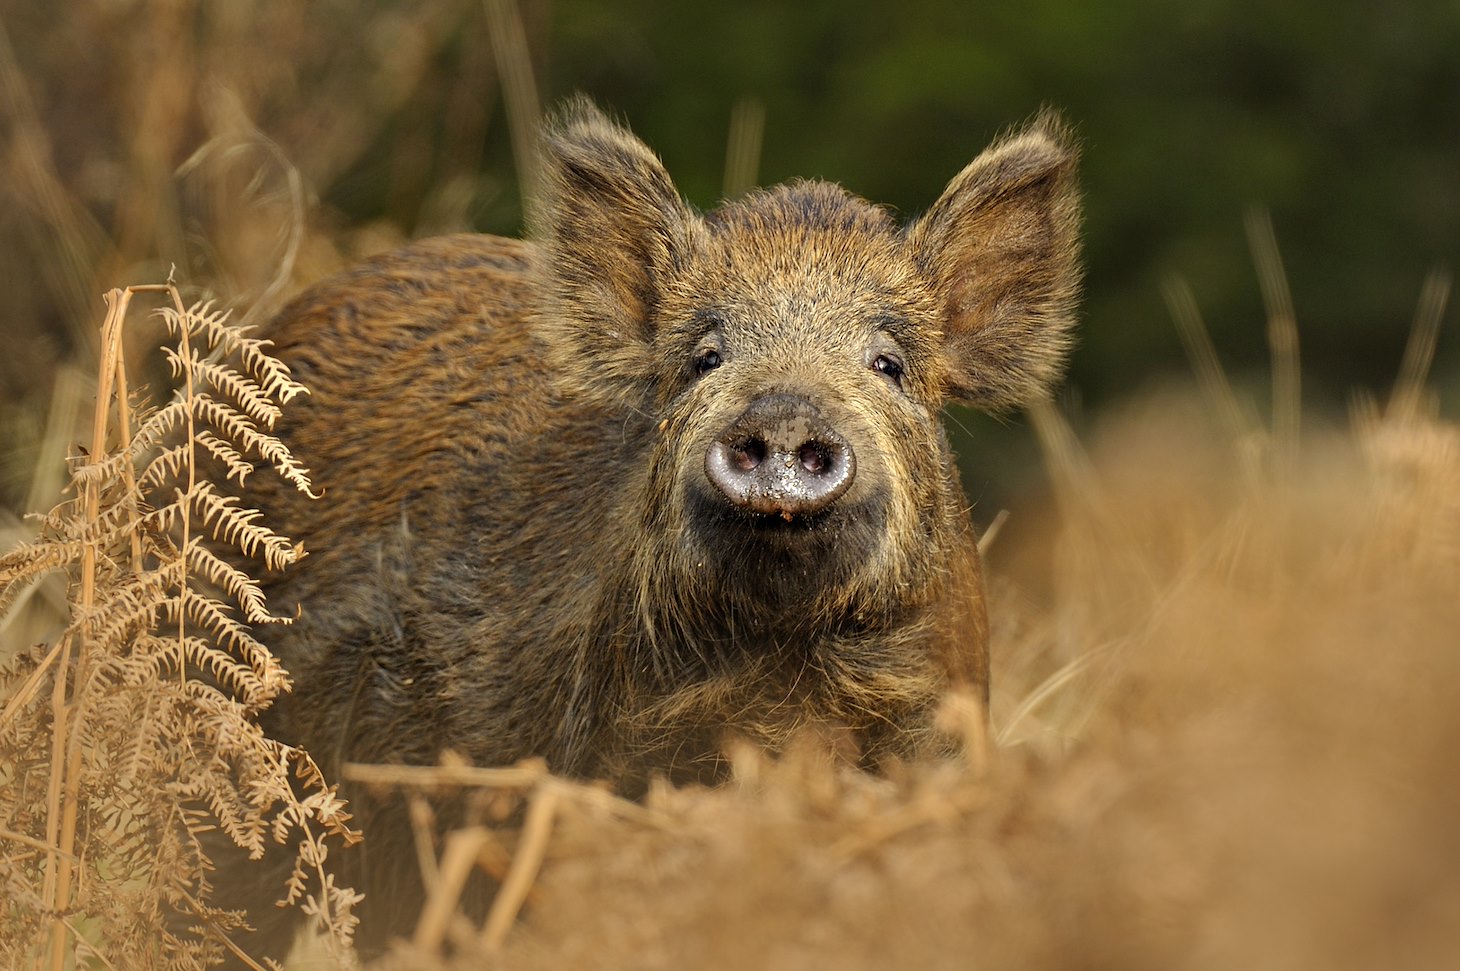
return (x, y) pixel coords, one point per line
(815, 457)
(748, 455)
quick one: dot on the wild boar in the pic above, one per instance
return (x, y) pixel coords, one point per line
(654, 477)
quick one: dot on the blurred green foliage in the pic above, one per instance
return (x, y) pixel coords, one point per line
(1342, 118)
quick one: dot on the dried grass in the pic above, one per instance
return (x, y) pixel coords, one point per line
(134, 141)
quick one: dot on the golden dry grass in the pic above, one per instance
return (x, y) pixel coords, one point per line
(1225, 738)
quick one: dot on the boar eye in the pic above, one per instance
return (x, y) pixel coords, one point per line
(707, 362)
(888, 366)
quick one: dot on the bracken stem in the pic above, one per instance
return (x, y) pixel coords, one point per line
(64, 795)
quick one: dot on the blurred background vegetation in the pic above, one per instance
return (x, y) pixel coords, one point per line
(259, 145)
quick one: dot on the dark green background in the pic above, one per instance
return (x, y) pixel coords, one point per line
(1343, 120)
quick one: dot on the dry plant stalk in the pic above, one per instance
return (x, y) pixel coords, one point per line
(1282, 339)
(134, 735)
(519, 88)
(475, 846)
(743, 147)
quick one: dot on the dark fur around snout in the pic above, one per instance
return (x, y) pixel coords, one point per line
(549, 528)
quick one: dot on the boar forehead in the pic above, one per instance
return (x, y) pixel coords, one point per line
(810, 264)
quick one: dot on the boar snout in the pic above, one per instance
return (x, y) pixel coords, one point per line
(781, 457)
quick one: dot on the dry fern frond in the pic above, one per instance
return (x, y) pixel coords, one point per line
(134, 735)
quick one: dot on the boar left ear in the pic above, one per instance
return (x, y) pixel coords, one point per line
(1001, 247)
(611, 230)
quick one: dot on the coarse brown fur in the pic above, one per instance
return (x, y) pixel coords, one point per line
(518, 552)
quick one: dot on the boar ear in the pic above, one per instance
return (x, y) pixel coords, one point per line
(1002, 249)
(611, 229)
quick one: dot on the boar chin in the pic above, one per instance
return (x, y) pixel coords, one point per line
(782, 558)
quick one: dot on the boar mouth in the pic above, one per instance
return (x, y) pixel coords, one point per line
(843, 534)
(778, 495)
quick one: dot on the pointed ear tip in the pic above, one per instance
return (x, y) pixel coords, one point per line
(573, 114)
(1050, 130)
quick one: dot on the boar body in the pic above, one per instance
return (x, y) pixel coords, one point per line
(655, 479)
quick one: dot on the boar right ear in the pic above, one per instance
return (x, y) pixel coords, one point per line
(611, 229)
(1001, 247)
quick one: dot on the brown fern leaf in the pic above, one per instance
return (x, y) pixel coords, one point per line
(158, 675)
